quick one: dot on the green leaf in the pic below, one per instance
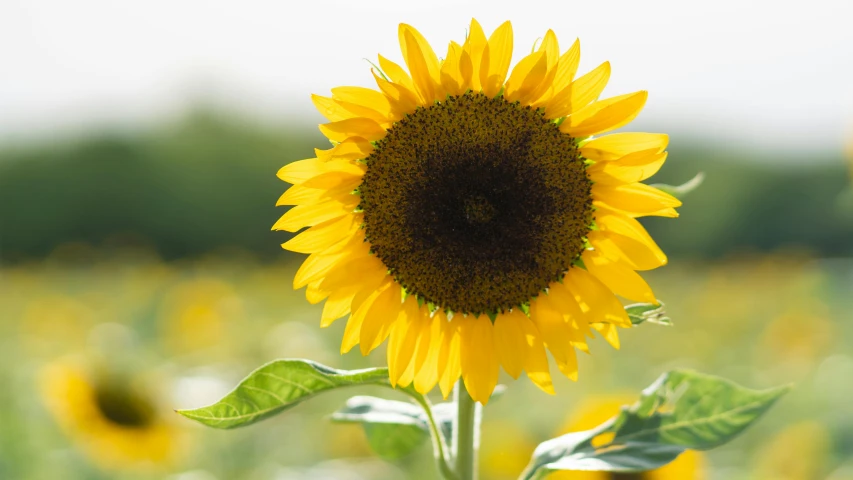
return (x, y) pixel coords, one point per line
(648, 312)
(681, 410)
(393, 429)
(680, 191)
(277, 386)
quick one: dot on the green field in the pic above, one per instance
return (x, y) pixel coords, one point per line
(192, 328)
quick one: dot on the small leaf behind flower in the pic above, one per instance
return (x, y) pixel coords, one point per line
(393, 429)
(680, 191)
(648, 312)
(681, 410)
(277, 386)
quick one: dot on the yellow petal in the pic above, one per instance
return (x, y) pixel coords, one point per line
(609, 332)
(526, 78)
(420, 329)
(429, 57)
(567, 66)
(396, 73)
(634, 167)
(302, 216)
(403, 340)
(336, 110)
(314, 293)
(537, 361)
(301, 170)
(604, 115)
(511, 341)
(324, 235)
(617, 277)
(480, 367)
(473, 48)
(425, 83)
(317, 265)
(426, 375)
(540, 96)
(363, 97)
(636, 199)
(450, 355)
(337, 306)
(595, 298)
(335, 181)
(353, 148)
(352, 332)
(350, 272)
(350, 296)
(643, 251)
(551, 47)
(353, 127)
(382, 313)
(402, 99)
(575, 318)
(617, 145)
(556, 333)
(451, 77)
(347, 167)
(297, 194)
(634, 253)
(580, 93)
(331, 109)
(496, 59)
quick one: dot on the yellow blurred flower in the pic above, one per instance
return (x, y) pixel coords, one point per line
(196, 314)
(55, 323)
(597, 409)
(109, 417)
(800, 335)
(505, 450)
(799, 452)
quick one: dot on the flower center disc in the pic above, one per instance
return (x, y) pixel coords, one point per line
(476, 204)
(121, 407)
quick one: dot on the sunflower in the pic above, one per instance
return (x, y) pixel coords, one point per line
(596, 410)
(467, 214)
(799, 452)
(117, 426)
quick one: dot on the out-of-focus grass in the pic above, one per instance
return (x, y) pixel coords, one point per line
(194, 328)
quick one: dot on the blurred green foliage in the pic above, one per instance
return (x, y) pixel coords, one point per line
(208, 182)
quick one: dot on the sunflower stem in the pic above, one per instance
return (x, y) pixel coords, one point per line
(438, 444)
(466, 433)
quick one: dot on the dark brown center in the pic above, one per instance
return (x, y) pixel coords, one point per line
(476, 204)
(123, 407)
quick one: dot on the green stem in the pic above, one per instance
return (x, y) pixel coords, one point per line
(439, 448)
(466, 434)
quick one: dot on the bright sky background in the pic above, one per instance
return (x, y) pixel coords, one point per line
(769, 73)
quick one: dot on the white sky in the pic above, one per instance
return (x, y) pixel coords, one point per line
(771, 73)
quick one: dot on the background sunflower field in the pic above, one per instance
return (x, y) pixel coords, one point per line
(138, 272)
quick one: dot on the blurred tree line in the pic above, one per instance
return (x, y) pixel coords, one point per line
(209, 183)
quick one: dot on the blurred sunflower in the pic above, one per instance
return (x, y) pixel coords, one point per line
(467, 214)
(109, 418)
(596, 410)
(801, 451)
(196, 313)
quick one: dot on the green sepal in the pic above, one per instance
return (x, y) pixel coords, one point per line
(648, 312)
(680, 191)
